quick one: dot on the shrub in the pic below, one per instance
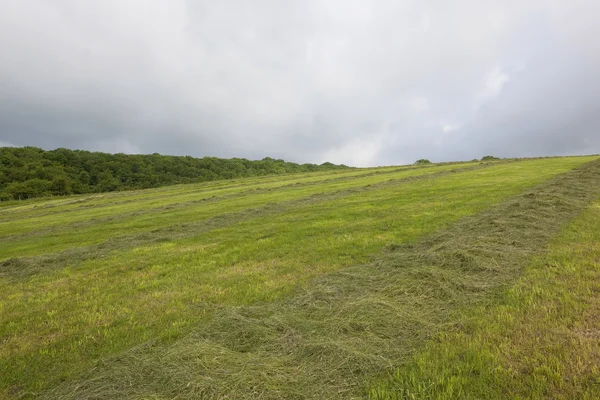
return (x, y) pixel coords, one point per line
(489, 158)
(422, 161)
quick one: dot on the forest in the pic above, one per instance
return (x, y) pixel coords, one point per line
(27, 172)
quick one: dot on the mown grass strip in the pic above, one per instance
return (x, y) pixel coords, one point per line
(59, 204)
(39, 204)
(14, 240)
(39, 207)
(78, 248)
(116, 300)
(40, 224)
(540, 340)
(106, 204)
(354, 324)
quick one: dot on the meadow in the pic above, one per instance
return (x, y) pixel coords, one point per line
(381, 283)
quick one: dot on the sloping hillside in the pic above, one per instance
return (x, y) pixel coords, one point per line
(341, 284)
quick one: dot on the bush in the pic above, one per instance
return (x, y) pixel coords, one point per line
(489, 158)
(422, 161)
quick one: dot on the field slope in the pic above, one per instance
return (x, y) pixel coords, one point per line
(328, 285)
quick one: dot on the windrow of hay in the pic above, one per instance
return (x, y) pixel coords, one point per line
(350, 326)
(44, 207)
(24, 267)
(212, 196)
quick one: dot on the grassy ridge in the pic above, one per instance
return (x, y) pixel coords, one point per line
(57, 321)
(540, 341)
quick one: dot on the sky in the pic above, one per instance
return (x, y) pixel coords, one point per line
(362, 83)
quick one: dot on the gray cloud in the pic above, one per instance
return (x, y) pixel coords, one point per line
(359, 82)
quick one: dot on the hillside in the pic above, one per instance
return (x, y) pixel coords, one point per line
(465, 280)
(27, 172)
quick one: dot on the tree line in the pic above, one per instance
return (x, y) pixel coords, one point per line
(27, 172)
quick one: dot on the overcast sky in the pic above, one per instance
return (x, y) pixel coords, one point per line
(358, 82)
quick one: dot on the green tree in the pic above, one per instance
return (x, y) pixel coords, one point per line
(31, 172)
(422, 161)
(489, 158)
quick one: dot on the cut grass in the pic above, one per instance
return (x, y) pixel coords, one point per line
(332, 337)
(540, 341)
(53, 233)
(56, 322)
(38, 207)
(86, 242)
(24, 266)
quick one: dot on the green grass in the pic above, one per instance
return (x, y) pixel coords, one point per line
(326, 340)
(539, 341)
(33, 235)
(89, 279)
(35, 207)
(109, 204)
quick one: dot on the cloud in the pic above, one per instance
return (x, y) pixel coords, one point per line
(361, 152)
(494, 82)
(448, 127)
(356, 82)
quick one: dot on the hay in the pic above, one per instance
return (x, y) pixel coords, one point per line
(21, 268)
(328, 340)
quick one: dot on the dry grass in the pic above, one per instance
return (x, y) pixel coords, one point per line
(540, 340)
(331, 339)
(18, 268)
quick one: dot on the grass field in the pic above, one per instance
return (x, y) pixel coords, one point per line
(388, 283)
(540, 340)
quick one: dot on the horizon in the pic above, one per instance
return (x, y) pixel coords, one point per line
(300, 163)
